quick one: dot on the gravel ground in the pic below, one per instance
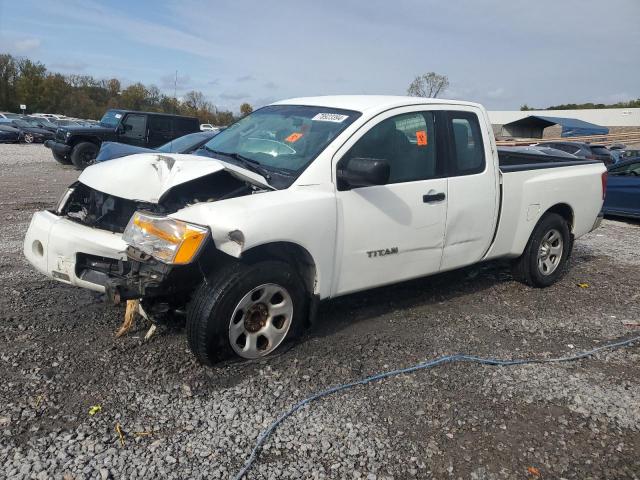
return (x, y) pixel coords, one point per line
(577, 420)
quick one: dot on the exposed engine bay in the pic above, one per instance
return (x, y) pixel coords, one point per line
(97, 209)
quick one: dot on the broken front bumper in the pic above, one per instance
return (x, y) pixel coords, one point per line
(72, 253)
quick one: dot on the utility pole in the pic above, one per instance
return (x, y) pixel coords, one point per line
(175, 93)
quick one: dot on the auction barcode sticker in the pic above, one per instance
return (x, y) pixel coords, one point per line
(330, 117)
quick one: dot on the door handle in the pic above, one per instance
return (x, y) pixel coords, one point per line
(433, 197)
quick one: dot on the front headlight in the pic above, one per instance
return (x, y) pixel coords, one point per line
(62, 202)
(168, 240)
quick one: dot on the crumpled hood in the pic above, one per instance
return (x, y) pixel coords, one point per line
(148, 176)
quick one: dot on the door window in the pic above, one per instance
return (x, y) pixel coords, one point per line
(161, 125)
(466, 146)
(406, 141)
(134, 126)
(184, 125)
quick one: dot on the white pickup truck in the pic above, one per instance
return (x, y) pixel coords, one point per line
(305, 200)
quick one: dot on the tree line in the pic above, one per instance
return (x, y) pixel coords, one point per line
(23, 81)
(584, 106)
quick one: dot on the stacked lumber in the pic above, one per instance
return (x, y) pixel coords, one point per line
(628, 138)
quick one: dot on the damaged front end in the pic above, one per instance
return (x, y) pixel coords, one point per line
(165, 258)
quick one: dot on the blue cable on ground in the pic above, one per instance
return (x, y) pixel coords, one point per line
(420, 366)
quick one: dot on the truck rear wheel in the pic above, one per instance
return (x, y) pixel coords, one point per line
(545, 257)
(83, 155)
(246, 310)
(63, 159)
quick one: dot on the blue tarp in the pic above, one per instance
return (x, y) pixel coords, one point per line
(571, 127)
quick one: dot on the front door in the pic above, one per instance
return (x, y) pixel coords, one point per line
(392, 232)
(134, 130)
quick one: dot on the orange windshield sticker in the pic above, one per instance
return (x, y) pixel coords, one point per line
(294, 137)
(421, 136)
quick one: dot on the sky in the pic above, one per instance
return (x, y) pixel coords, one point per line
(502, 53)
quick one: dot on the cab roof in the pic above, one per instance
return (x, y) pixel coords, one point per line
(363, 103)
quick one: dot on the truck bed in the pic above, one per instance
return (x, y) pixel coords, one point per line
(532, 183)
(520, 161)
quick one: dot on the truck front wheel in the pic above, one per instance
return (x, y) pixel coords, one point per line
(246, 310)
(84, 155)
(545, 257)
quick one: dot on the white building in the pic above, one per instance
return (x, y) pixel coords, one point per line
(606, 117)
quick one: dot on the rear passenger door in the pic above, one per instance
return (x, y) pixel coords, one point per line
(160, 130)
(472, 186)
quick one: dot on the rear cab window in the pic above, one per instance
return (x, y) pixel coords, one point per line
(465, 144)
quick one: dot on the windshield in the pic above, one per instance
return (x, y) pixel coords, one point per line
(285, 138)
(184, 144)
(111, 118)
(20, 123)
(32, 121)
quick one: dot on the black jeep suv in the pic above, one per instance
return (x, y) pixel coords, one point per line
(79, 145)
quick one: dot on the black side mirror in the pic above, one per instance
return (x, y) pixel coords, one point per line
(363, 172)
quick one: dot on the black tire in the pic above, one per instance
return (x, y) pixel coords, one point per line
(83, 155)
(63, 159)
(209, 314)
(527, 268)
(28, 138)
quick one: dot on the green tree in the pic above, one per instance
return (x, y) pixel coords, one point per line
(8, 77)
(28, 86)
(25, 81)
(54, 90)
(134, 96)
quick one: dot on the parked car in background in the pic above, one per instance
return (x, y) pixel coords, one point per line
(52, 116)
(583, 150)
(207, 126)
(30, 133)
(623, 189)
(539, 150)
(40, 122)
(66, 122)
(630, 155)
(616, 155)
(9, 115)
(186, 144)
(9, 134)
(79, 145)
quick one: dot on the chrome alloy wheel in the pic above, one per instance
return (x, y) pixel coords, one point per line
(550, 252)
(260, 321)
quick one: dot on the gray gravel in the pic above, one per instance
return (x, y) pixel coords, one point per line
(581, 420)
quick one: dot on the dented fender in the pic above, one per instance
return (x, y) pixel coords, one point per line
(293, 216)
